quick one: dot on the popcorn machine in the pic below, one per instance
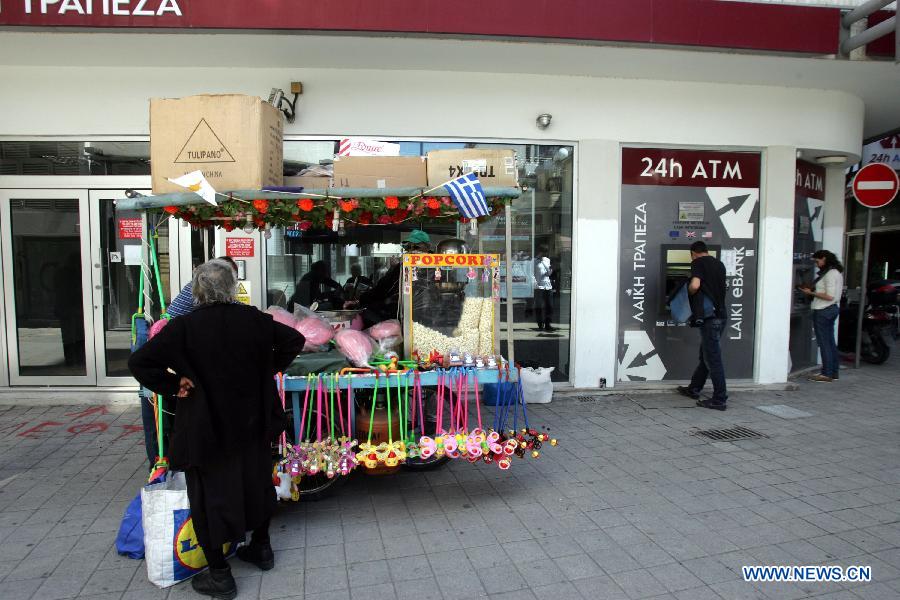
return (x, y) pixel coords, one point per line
(451, 305)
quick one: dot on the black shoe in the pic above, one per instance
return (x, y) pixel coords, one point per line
(217, 583)
(686, 391)
(260, 555)
(711, 404)
(549, 328)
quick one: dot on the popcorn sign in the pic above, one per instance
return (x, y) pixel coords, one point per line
(450, 260)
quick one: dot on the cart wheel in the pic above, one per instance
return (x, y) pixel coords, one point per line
(425, 464)
(319, 486)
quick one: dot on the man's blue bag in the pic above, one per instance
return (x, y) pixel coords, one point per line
(680, 304)
(130, 540)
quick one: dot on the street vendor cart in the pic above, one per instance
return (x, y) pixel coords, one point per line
(446, 359)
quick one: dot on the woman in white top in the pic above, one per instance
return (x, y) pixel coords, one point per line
(825, 308)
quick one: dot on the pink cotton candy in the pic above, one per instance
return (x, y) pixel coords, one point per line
(355, 345)
(385, 329)
(317, 331)
(282, 316)
(157, 327)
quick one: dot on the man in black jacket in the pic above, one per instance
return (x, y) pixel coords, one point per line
(707, 289)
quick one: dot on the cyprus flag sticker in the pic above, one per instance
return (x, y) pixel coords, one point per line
(197, 183)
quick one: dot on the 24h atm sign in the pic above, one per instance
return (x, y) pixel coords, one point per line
(672, 198)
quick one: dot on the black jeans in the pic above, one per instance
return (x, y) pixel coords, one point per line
(543, 307)
(711, 360)
(823, 324)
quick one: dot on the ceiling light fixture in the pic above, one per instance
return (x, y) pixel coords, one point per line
(836, 159)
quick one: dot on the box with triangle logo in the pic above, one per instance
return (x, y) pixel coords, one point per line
(235, 140)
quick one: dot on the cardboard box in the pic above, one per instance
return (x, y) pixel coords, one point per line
(236, 141)
(495, 168)
(379, 172)
(309, 182)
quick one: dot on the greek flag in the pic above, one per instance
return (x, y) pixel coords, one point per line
(468, 196)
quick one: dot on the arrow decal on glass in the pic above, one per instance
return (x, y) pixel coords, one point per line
(735, 209)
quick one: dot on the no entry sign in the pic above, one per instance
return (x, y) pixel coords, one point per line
(875, 185)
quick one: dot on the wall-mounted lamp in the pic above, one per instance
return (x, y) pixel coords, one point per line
(288, 107)
(543, 120)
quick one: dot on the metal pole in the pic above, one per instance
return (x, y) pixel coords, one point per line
(145, 268)
(862, 291)
(869, 35)
(510, 348)
(863, 10)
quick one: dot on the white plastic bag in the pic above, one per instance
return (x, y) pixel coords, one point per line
(536, 385)
(171, 549)
(389, 336)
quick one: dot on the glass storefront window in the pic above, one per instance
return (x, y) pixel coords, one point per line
(889, 216)
(74, 158)
(331, 269)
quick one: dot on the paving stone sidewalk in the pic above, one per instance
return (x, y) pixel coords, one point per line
(631, 505)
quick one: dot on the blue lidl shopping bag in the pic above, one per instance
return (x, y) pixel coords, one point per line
(130, 540)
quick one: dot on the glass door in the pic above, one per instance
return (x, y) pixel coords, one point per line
(116, 268)
(46, 283)
(197, 244)
(4, 363)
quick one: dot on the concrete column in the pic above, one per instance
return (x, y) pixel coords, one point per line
(776, 244)
(835, 211)
(595, 269)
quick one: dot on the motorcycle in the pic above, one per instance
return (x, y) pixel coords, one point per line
(883, 296)
(879, 317)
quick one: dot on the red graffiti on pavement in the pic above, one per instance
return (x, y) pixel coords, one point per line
(72, 427)
(32, 433)
(88, 427)
(92, 410)
(129, 429)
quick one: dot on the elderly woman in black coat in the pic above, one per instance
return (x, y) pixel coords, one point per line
(220, 362)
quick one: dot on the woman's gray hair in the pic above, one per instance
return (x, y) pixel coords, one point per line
(214, 281)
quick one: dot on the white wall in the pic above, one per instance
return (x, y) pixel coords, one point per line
(776, 247)
(597, 113)
(91, 101)
(596, 264)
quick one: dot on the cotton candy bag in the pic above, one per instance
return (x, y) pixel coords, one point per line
(357, 346)
(316, 330)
